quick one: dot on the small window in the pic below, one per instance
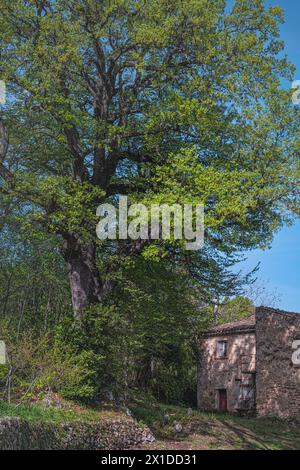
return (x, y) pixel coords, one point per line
(221, 349)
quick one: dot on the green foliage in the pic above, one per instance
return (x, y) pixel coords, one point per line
(181, 102)
(147, 337)
(34, 288)
(235, 309)
(163, 101)
(38, 365)
(74, 202)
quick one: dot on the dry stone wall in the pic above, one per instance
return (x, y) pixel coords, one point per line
(17, 434)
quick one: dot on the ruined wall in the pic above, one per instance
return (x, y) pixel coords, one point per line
(215, 373)
(277, 379)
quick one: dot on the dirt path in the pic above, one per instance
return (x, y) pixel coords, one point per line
(234, 435)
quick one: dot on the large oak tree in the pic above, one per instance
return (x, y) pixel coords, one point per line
(164, 101)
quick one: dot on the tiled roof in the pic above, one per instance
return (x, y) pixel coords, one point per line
(240, 325)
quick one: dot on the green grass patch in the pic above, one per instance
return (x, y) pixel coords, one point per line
(48, 414)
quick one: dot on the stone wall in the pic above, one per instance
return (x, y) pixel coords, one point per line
(277, 379)
(217, 373)
(17, 434)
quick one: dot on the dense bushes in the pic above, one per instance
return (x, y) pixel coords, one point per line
(37, 365)
(144, 339)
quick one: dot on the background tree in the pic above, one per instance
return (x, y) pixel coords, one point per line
(235, 309)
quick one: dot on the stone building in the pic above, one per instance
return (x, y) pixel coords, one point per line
(252, 365)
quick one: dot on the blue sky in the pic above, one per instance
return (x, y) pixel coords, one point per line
(280, 266)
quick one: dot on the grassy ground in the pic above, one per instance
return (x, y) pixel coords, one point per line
(70, 413)
(197, 430)
(215, 431)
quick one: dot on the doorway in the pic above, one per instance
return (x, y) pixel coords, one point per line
(222, 399)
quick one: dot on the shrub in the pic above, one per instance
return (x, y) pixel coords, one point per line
(42, 364)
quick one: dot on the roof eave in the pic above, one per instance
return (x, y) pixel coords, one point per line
(234, 331)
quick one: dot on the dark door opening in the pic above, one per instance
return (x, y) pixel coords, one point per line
(222, 400)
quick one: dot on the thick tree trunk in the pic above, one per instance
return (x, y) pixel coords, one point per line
(85, 281)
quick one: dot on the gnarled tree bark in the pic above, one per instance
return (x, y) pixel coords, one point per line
(87, 287)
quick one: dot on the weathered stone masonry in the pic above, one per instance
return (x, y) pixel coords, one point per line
(232, 371)
(256, 370)
(277, 378)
